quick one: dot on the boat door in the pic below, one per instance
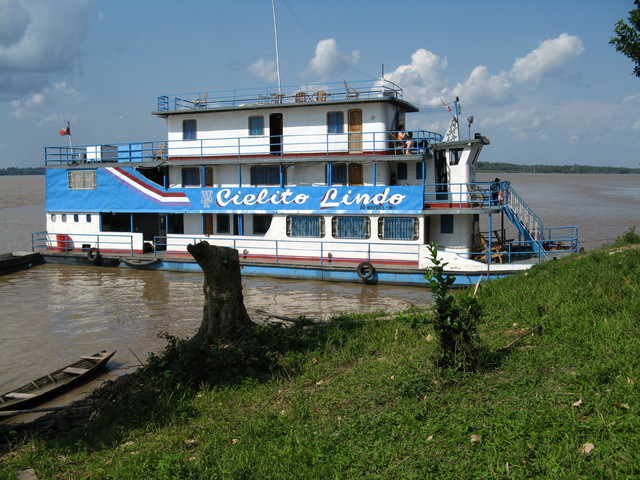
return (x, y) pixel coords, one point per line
(355, 174)
(442, 177)
(275, 133)
(355, 130)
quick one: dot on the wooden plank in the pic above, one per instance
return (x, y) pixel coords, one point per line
(19, 395)
(75, 371)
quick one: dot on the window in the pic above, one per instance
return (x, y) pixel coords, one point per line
(261, 224)
(76, 217)
(53, 217)
(191, 177)
(265, 175)
(88, 218)
(222, 223)
(419, 166)
(335, 122)
(189, 130)
(116, 222)
(398, 228)
(455, 154)
(351, 227)
(446, 224)
(256, 125)
(338, 174)
(305, 226)
(402, 171)
(81, 179)
(64, 217)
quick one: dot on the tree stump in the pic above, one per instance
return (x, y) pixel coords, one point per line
(224, 316)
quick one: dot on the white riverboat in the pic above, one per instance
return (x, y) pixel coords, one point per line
(311, 182)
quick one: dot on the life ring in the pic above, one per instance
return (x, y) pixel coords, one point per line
(365, 270)
(94, 255)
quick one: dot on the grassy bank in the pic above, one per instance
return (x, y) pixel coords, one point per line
(361, 398)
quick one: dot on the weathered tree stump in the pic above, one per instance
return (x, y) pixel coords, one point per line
(224, 316)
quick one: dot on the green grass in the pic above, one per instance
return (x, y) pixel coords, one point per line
(360, 399)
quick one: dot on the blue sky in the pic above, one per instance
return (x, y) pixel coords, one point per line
(540, 78)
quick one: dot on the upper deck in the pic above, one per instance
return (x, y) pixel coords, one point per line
(289, 95)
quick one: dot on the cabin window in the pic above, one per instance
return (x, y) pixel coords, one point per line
(402, 171)
(175, 223)
(189, 130)
(88, 218)
(116, 222)
(265, 175)
(223, 225)
(398, 228)
(81, 179)
(351, 227)
(419, 167)
(338, 174)
(455, 154)
(53, 217)
(64, 217)
(309, 226)
(76, 217)
(256, 125)
(335, 122)
(191, 177)
(261, 224)
(446, 224)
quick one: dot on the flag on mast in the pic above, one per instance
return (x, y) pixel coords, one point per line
(65, 131)
(446, 106)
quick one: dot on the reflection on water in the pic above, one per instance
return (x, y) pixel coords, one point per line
(53, 313)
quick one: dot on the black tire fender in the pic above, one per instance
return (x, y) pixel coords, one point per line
(94, 255)
(365, 270)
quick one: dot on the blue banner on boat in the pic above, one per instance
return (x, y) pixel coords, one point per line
(123, 189)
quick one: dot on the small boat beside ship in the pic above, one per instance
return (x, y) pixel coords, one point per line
(54, 383)
(14, 261)
(320, 181)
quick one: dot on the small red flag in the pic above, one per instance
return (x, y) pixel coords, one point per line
(65, 131)
(446, 106)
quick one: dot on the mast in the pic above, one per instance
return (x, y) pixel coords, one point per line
(275, 30)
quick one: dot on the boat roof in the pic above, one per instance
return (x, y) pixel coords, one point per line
(290, 96)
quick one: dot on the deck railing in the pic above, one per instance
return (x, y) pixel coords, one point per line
(365, 143)
(288, 94)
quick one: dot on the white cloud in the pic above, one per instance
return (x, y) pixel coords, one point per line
(14, 19)
(264, 69)
(636, 126)
(423, 78)
(40, 39)
(328, 60)
(550, 57)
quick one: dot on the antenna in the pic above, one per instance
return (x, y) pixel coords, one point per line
(275, 30)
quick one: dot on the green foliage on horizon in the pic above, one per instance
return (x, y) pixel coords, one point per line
(499, 167)
(22, 171)
(355, 399)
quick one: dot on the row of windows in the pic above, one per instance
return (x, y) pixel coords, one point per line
(335, 124)
(353, 227)
(76, 217)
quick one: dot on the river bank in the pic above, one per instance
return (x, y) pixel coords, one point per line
(361, 398)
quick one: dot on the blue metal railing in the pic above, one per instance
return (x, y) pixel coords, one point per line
(366, 143)
(287, 94)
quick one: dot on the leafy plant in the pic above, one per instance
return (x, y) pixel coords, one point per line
(455, 321)
(630, 237)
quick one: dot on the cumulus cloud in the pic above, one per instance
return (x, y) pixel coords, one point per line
(549, 58)
(423, 78)
(328, 60)
(26, 106)
(39, 39)
(264, 69)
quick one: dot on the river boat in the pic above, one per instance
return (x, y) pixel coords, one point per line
(14, 261)
(321, 182)
(54, 383)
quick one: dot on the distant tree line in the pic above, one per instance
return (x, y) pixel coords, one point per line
(22, 171)
(499, 167)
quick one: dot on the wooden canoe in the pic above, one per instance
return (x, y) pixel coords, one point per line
(141, 263)
(48, 386)
(12, 262)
